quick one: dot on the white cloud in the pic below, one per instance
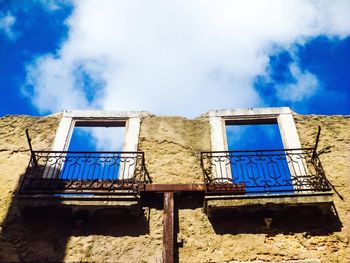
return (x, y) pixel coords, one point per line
(6, 25)
(52, 5)
(105, 138)
(304, 87)
(54, 85)
(178, 57)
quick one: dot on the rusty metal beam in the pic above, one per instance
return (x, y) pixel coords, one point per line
(168, 228)
(174, 188)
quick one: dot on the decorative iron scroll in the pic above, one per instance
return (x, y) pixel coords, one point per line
(85, 172)
(263, 171)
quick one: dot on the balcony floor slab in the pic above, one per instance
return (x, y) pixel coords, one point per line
(78, 203)
(266, 201)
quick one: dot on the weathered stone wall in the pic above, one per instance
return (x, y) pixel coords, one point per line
(172, 146)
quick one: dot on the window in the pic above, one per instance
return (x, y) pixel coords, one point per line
(111, 138)
(72, 119)
(249, 149)
(256, 155)
(89, 156)
(282, 116)
(253, 136)
(94, 153)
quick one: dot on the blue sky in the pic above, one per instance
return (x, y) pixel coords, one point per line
(257, 171)
(239, 137)
(176, 58)
(328, 60)
(110, 139)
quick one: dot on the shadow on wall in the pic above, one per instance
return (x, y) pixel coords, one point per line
(26, 238)
(41, 234)
(292, 220)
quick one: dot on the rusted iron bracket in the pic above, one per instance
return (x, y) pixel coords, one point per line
(170, 220)
(170, 242)
(162, 188)
(168, 228)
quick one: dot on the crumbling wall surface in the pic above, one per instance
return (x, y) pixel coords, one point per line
(294, 236)
(14, 158)
(172, 147)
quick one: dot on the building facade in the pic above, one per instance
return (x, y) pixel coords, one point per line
(177, 191)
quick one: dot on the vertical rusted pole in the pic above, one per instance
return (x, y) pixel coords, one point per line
(168, 228)
(316, 143)
(31, 148)
(317, 137)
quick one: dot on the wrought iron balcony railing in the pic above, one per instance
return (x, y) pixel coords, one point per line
(84, 172)
(264, 171)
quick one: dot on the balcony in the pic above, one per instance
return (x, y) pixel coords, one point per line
(77, 178)
(264, 177)
(96, 173)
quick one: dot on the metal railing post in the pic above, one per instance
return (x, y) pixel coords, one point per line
(31, 148)
(316, 142)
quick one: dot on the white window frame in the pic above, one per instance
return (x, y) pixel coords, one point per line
(132, 120)
(285, 121)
